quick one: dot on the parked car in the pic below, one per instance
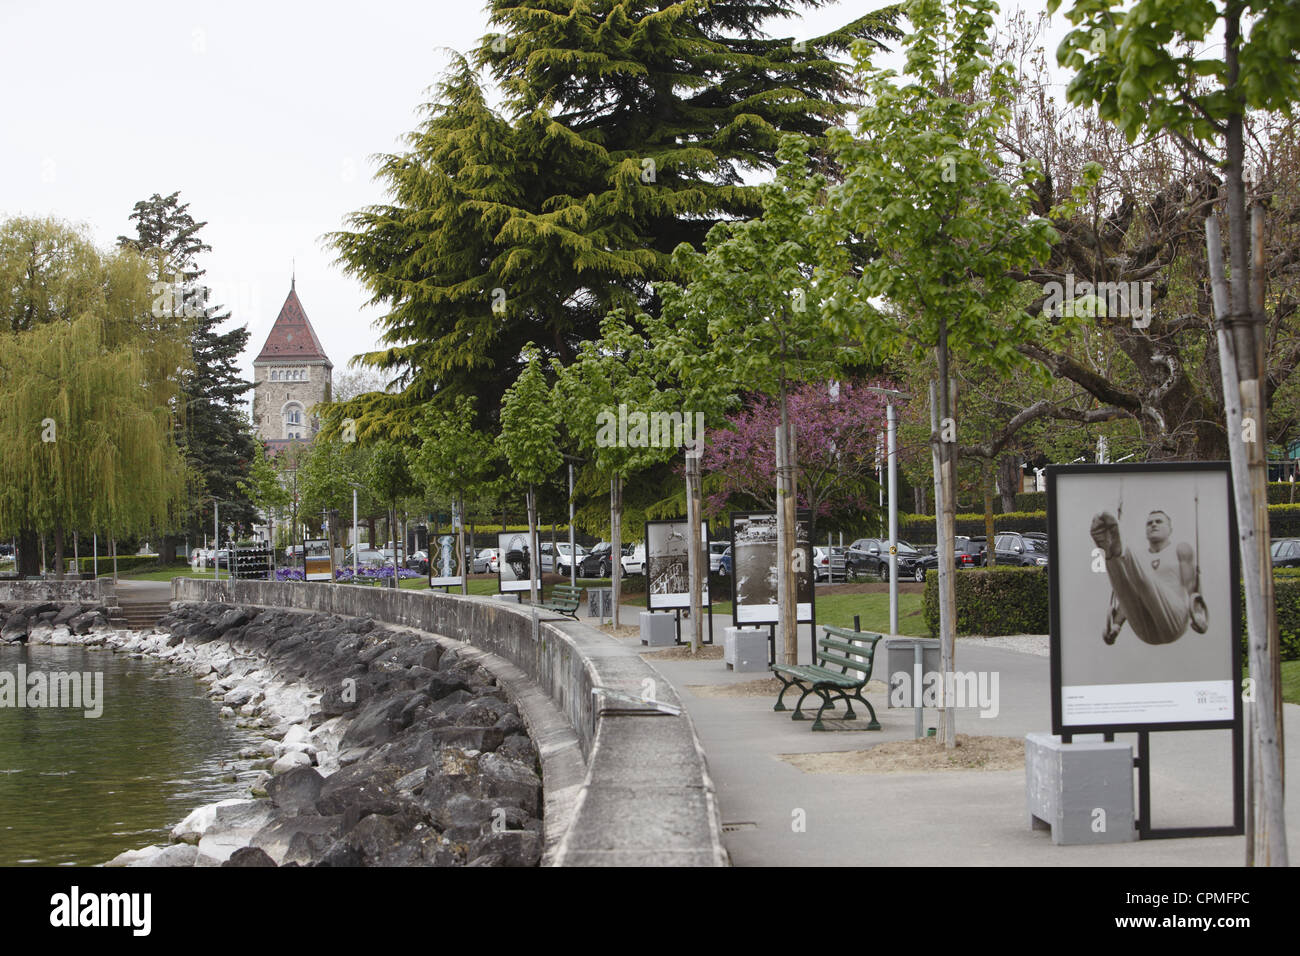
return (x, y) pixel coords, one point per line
(486, 561)
(829, 563)
(366, 558)
(1286, 553)
(634, 563)
(563, 558)
(969, 553)
(870, 556)
(1027, 549)
(596, 563)
(418, 561)
(724, 563)
(716, 550)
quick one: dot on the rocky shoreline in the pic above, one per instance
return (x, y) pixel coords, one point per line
(384, 748)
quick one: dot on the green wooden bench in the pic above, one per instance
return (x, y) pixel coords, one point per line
(564, 600)
(853, 652)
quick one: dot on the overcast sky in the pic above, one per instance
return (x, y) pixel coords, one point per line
(264, 115)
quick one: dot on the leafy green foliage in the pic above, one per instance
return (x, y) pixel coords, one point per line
(453, 456)
(995, 601)
(947, 219)
(627, 127)
(1151, 66)
(529, 436)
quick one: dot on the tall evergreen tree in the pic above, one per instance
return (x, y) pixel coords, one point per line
(628, 126)
(215, 435)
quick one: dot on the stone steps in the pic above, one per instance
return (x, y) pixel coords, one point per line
(139, 616)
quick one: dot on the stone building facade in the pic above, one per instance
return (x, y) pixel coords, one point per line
(291, 375)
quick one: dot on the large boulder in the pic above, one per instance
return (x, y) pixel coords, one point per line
(249, 856)
(301, 839)
(296, 790)
(510, 847)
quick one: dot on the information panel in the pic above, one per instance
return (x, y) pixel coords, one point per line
(754, 560)
(1145, 597)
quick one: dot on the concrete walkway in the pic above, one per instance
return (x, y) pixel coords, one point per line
(962, 817)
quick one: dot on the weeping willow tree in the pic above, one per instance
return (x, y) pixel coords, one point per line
(86, 428)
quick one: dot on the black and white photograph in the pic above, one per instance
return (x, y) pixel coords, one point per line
(755, 558)
(667, 563)
(513, 567)
(1145, 620)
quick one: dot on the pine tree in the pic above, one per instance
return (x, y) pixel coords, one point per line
(215, 436)
(627, 128)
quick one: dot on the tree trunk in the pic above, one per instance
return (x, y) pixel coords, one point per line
(988, 480)
(944, 445)
(616, 542)
(695, 529)
(918, 497)
(29, 553)
(534, 559)
(1266, 845)
(1008, 481)
(787, 537)
(58, 551)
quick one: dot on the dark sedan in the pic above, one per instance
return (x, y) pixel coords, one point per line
(1026, 550)
(969, 553)
(870, 557)
(595, 563)
(1286, 553)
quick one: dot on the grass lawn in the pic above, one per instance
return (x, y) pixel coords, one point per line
(873, 609)
(1291, 682)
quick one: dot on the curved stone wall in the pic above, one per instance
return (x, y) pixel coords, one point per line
(646, 798)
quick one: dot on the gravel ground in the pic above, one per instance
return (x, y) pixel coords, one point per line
(1036, 644)
(918, 756)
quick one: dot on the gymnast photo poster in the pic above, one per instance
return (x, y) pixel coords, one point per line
(1145, 597)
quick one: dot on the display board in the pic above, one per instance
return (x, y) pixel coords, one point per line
(667, 564)
(753, 564)
(316, 560)
(1145, 598)
(445, 568)
(515, 564)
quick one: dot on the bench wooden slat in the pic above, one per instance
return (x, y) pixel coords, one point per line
(855, 660)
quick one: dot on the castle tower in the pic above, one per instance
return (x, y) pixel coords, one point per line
(291, 374)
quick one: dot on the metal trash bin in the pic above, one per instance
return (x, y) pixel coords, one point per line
(900, 655)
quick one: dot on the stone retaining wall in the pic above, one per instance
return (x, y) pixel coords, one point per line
(647, 799)
(84, 592)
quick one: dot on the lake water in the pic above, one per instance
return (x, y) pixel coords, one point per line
(77, 791)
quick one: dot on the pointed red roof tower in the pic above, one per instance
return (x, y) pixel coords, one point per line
(292, 339)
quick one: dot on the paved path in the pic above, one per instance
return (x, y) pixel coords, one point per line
(970, 818)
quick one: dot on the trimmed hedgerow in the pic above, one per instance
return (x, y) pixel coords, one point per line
(125, 562)
(1283, 522)
(1016, 601)
(994, 601)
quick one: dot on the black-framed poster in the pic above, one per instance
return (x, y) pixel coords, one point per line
(667, 557)
(753, 567)
(1145, 597)
(514, 563)
(445, 568)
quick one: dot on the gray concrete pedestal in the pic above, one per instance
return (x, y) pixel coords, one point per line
(1082, 791)
(658, 630)
(745, 649)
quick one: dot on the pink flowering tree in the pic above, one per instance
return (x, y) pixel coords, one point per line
(836, 435)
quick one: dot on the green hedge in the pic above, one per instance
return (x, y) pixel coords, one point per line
(1279, 493)
(1015, 601)
(994, 601)
(1283, 522)
(125, 562)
